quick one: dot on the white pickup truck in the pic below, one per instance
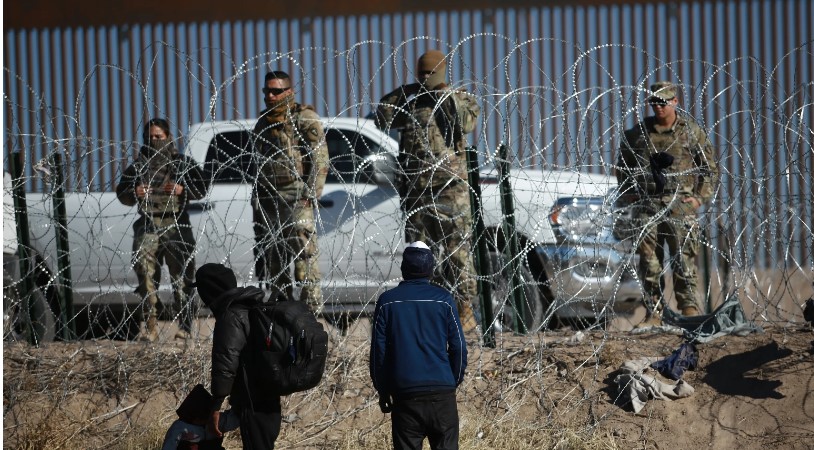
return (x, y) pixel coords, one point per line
(360, 226)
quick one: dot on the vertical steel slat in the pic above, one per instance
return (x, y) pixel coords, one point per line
(171, 78)
(135, 88)
(807, 154)
(40, 87)
(124, 111)
(102, 134)
(54, 112)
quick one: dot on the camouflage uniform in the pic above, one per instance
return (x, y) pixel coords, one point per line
(162, 233)
(292, 160)
(433, 183)
(658, 205)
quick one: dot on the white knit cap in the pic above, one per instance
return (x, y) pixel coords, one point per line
(418, 244)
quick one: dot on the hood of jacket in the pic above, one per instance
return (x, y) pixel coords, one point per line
(247, 296)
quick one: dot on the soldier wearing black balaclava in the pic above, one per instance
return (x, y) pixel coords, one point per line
(433, 120)
(160, 183)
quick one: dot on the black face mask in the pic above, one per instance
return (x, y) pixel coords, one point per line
(158, 156)
(164, 147)
(438, 78)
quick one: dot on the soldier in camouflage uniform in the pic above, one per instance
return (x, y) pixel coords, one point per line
(292, 160)
(666, 170)
(161, 182)
(432, 120)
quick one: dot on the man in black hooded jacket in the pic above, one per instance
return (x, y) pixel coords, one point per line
(260, 416)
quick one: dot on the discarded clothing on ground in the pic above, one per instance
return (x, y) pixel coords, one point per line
(685, 357)
(635, 386)
(728, 318)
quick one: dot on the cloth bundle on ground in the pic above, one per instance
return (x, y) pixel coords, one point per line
(635, 386)
(728, 318)
(685, 357)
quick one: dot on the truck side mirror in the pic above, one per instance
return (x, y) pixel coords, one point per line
(380, 169)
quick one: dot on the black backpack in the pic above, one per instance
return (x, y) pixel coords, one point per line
(287, 348)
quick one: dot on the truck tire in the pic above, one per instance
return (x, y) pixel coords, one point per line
(43, 322)
(502, 302)
(25, 317)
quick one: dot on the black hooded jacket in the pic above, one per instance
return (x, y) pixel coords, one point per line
(229, 347)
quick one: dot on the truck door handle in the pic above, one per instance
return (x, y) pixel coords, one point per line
(199, 207)
(326, 203)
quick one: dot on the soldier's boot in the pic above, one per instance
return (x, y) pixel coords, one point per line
(690, 311)
(150, 331)
(467, 316)
(653, 316)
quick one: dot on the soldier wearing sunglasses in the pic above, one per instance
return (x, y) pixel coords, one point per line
(666, 171)
(291, 157)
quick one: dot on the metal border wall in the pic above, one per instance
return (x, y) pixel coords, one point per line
(746, 67)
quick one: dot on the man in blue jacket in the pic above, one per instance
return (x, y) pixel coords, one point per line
(418, 356)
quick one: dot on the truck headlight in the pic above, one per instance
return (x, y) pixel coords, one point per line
(578, 217)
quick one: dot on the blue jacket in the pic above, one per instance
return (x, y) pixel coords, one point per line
(418, 343)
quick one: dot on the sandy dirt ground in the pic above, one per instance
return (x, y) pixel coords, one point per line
(750, 392)
(552, 389)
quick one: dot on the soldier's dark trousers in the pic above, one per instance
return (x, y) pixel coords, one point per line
(285, 232)
(431, 415)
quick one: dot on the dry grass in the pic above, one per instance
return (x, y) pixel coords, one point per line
(535, 392)
(123, 395)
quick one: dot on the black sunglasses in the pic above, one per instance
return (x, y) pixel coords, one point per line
(275, 91)
(658, 101)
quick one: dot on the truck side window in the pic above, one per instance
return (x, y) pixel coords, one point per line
(347, 151)
(340, 154)
(229, 158)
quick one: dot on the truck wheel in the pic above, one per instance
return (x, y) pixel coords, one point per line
(503, 303)
(25, 317)
(28, 318)
(14, 327)
(42, 318)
